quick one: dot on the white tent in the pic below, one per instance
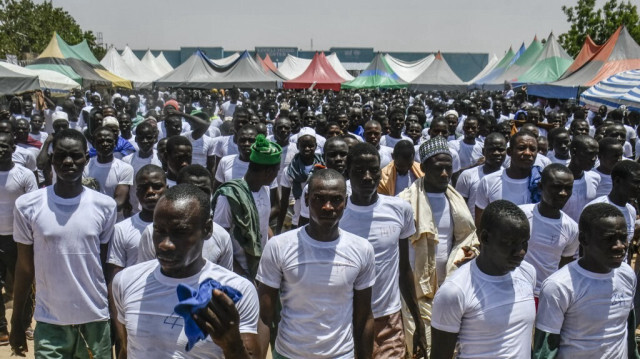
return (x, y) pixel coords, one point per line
(293, 66)
(163, 63)
(113, 62)
(493, 61)
(56, 82)
(226, 61)
(409, 70)
(144, 75)
(337, 65)
(150, 61)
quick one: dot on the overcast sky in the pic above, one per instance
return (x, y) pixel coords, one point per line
(387, 25)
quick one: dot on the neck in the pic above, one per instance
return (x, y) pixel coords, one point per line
(147, 154)
(469, 141)
(488, 267)
(307, 160)
(606, 171)
(146, 215)
(283, 142)
(364, 199)
(593, 266)
(105, 158)
(253, 181)
(577, 171)
(68, 189)
(188, 271)
(172, 176)
(618, 197)
(490, 167)
(322, 234)
(33, 132)
(518, 173)
(395, 134)
(125, 135)
(7, 165)
(561, 156)
(546, 210)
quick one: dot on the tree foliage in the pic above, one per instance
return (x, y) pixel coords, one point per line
(600, 24)
(28, 27)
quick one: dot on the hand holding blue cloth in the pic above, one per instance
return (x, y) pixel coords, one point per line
(192, 301)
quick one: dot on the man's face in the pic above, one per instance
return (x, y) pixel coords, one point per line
(580, 128)
(630, 185)
(202, 182)
(178, 234)
(364, 173)
(60, 125)
(618, 132)
(239, 121)
(244, 141)
(27, 108)
(452, 120)
(7, 147)
(326, 200)
(397, 123)
(294, 117)
(36, 123)
(355, 117)
(309, 119)
(282, 130)
(179, 158)
(150, 187)
(438, 170)
(125, 123)
(21, 131)
(602, 111)
(372, 134)
(145, 139)
(104, 141)
(585, 154)
(470, 129)
(333, 131)
(335, 156)
(523, 153)
(495, 151)
(439, 129)
(606, 242)
(609, 156)
(307, 146)
(554, 119)
(414, 131)
(118, 103)
(507, 242)
(69, 159)
(533, 116)
(173, 124)
(561, 143)
(557, 189)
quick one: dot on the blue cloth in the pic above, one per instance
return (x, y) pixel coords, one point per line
(123, 146)
(192, 301)
(534, 180)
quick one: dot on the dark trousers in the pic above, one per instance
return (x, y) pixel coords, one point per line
(8, 258)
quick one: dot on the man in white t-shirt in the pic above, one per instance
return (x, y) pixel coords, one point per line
(36, 128)
(560, 141)
(226, 145)
(487, 305)
(16, 181)
(177, 155)
(324, 277)
(586, 307)
(469, 150)
(114, 175)
(235, 166)
(144, 295)
(626, 187)
(203, 146)
(228, 108)
(511, 184)
(21, 156)
(584, 151)
(372, 135)
(62, 233)
(609, 153)
(146, 138)
(150, 184)
(396, 121)
(494, 153)
(387, 223)
(554, 235)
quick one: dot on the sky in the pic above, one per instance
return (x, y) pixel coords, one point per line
(486, 26)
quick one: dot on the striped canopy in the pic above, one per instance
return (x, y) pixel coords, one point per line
(617, 90)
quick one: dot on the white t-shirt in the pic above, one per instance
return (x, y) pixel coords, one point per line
(316, 281)
(231, 167)
(144, 299)
(493, 315)
(441, 212)
(224, 146)
(550, 240)
(469, 154)
(389, 141)
(628, 211)
(606, 184)
(202, 148)
(383, 223)
(403, 182)
(552, 157)
(13, 184)
(109, 175)
(227, 108)
(541, 161)
(584, 191)
(589, 310)
(123, 249)
(137, 163)
(467, 186)
(222, 216)
(216, 249)
(24, 158)
(385, 155)
(498, 185)
(66, 234)
(40, 136)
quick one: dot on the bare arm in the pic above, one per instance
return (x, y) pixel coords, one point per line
(284, 205)
(24, 275)
(121, 195)
(268, 298)
(408, 291)
(362, 323)
(121, 338)
(274, 196)
(446, 344)
(478, 218)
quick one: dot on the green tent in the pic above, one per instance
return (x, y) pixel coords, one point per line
(497, 70)
(377, 75)
(519, 67)
(551, 64)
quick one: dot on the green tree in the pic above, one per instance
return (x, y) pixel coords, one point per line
(28, 27)
(600, 24)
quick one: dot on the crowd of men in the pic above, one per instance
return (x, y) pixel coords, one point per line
(317, 224)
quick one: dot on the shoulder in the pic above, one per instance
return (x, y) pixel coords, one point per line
(396, 203)
(358, 243)
(128, 158)
(31, 198)
(528, 271)
(527, 209)
(135, 273)
(626, 272)
(592, 176)
(99, 199)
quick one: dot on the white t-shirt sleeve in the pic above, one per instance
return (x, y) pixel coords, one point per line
(220, 172)
(270, 269)
(249, 308)
(367, 276)
(30, 183)
(126, 177)
(222, 213)
(554, 302)
(109, 224)
(22, 232)
(448, 308)
(211, 146)
(226, 248)
(146, 251)
(409, 226)
(117, 254)
(463, 186)
(482, 194)
(117, 292)
(572, 236)
(286, 180)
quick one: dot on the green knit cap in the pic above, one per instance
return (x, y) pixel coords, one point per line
(265, 152)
